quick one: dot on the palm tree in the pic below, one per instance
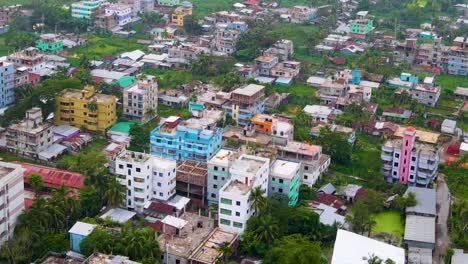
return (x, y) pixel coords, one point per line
(267, 230)
(114, 194)
(225, 250)
(258, 200)
(60, 193)
(150, 113)
(369, 224)
(39, 210)
(135, 248)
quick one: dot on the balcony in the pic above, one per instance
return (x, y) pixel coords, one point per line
(386, 157)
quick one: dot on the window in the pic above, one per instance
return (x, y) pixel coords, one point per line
(236, 224)
(306, 177)
(237, 213)
(395, 164)
(213, 195)
(412, 168)
(280, 190)
(159, 184)
(138, 169)
(121, 166)
(397, 155)
(225, 211)
(226, 201)
(129, 166)
(280, 180)
(394, 173)
(215, 177)
(238, 203)
(215, 168)
(215, 186)
(224, 222)
(306, 168)
(413, 158)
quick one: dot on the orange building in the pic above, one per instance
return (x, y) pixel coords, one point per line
(263, 123)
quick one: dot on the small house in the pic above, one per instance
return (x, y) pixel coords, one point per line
(78, 232)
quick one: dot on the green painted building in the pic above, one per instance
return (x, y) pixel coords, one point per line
(168, 2)
(362, 25)
(49, 43)
(285, 178)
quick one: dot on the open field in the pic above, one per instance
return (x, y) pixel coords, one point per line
(103, 45)
(389, 222)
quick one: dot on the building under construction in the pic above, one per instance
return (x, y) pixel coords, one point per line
(192, 181)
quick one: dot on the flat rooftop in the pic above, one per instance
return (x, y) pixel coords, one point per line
(208, 252)
(135, 157)
(284, 168)
(248, 163)
(222, 157)
(78, 94)
(422, 136)
(6, 168)
(237, 187)
(249, 90)
(196, 230)
(99, 258)
(301, 148)
(420, 229)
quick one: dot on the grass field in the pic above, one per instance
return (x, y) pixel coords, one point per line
(102, 45)
(450, 82)
(389, 222)
(457, 180)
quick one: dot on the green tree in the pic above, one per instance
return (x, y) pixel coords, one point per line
(267, 230)
(224, 250)
(257, 200)
(114, 194)
(360, 217)
(139, 137)
(84, 76)
(373, 200)
(191, 25)
(36, 183)
(336, 145)
(294, 249)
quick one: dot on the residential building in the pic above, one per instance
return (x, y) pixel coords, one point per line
(49, 43)
(7, 12)
(179, 14)
(321, 113)
(218, 172)
(420, 232)
(208, 251)
(185, 52)
(99, 258)
(87, 8)
(353, 248)
(265, 64)
(85, 108)
(145, 177)
(433, 55)
(30, 59)
(461, 93)
(425, 202)
(302, 14)
(122, 14)
(30, 137)
(458, 58)
(11, 197)
(182, 237)
(362, 25)
(313, 162)
(247, 173)
(226, 40)
(283, 49)
(409, 162)
(281, 130)
(245, 102)
(78, 232)
(140, 100)
(192, 181)
(168, 2)
(396, 113)
(285, 178)
(7, 84)
(426, 93)
(286, 69)
(185, 140)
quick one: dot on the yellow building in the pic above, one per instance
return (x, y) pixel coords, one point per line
(85, 109)
(179, 14)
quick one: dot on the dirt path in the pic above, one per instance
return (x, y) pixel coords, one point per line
(443, 208)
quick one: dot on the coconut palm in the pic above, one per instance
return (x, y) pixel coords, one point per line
(267, 230)
(135, 245)
(225, 250)
(114, 194)
(258, 200)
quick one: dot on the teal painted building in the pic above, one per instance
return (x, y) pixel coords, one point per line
(361, 25)
(49, 43)
(285, 178)
(168, 2)
(78, 232)
(86, 9)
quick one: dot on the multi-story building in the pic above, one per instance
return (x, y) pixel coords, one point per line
(303, 14)
(218, 172)
(245, 102)
(122, 14)
(180, 12)
(313, 162)
(168, 2)
(140, 100)
(286, 69)
(7, 83)
(192, 181)
(85, 109)
(458, 59)
(433, 54)
(29, 58)
(185, 52)
(321, 113)
(87, 8)
(226, 39)
(185, 140)
(285, 178)
(31, 136)
(283, 49)
(409, 162)
(7, 12)
(362, 25)
(49, 43)
(139, 6)
(145, 177)
(11, 198)
(280, 130)
(265, 64)
(247, 173)
(426, 93)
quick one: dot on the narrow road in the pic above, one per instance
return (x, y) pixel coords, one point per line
(443, 207)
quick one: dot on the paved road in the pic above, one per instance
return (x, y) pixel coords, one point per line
(443, 206)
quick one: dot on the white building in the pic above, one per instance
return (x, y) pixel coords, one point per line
(122, 13)
(86, 9)
(321, 113)
(285, 178)
(247, 173)
(218, 172)
(11, 198)
(145, 177)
